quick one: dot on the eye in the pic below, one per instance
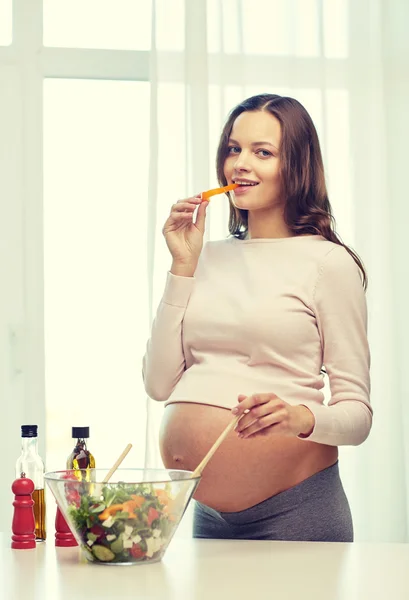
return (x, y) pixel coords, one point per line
(264, 153)
(233, 150)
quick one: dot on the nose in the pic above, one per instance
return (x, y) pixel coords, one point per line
(242, 163)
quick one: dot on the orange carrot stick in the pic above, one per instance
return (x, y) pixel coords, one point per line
(221, 190)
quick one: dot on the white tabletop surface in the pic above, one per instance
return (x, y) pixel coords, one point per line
(212, 570)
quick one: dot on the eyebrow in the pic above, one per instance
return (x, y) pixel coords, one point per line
(255, 143)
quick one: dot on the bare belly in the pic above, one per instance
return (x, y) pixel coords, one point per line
(243, 472)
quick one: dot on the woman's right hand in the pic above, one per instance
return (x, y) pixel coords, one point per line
(184, 237)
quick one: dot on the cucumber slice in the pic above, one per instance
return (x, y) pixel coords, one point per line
(117, 546)
(102, 553)
(97, 509)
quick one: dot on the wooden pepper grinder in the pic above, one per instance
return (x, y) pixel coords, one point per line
(63, 535)
(23, 525)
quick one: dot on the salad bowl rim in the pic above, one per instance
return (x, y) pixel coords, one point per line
(54, 476)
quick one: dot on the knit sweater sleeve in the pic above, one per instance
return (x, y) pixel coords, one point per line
(164, 361)
(339, 305)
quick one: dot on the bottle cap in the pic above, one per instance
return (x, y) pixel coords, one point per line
(29, 430)
(80, 432)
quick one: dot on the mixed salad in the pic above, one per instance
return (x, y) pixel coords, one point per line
(126, 523)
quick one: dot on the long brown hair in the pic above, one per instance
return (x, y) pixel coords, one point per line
(307, 209)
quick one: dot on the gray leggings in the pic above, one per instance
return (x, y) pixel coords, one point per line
(315, 510)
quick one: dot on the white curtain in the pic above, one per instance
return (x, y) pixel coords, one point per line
(348, 64)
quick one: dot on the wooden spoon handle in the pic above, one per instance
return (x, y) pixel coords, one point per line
(116, 464)
(198, 471)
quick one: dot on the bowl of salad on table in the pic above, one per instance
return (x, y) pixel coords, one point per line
(129, 520)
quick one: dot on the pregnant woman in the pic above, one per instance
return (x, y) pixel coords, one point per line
(248, 324)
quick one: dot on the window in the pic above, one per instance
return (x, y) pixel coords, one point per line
(292, 28)
(5, 22)
(104, 24)
(113, 24)
(96, 152)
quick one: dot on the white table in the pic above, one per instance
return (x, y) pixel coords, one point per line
(212, 570)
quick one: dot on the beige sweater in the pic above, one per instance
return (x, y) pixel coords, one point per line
(265, 315)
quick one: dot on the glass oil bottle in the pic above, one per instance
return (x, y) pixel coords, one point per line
(31, 465)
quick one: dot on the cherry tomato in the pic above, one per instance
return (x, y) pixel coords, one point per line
(152, 515)
(136, 551)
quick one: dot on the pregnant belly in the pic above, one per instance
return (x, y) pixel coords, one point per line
(242, 472)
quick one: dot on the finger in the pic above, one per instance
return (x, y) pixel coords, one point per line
(193, 200)
(180, 220)
(256, 413)
(275, 429)
(183, 206)
(272, 421)
(251, 401)
(177, 221)
(176, 218)
(201, 217)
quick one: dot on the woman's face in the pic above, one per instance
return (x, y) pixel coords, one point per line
(253, 159)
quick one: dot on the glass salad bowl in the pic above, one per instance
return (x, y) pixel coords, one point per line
(129, 520)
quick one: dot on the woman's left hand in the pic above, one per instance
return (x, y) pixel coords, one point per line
(267, 414)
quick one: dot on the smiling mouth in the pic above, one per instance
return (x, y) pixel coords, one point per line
(245, 183)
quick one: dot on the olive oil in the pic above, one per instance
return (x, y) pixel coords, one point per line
(81, 460)
(39, 514)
